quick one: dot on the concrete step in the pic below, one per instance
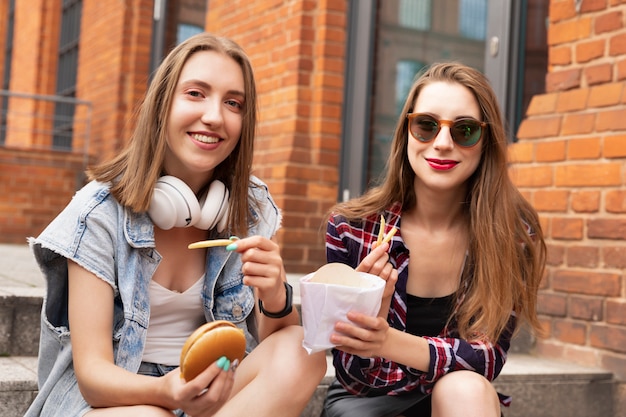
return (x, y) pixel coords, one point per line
(18, 384)
(540, 388)
(20, 309)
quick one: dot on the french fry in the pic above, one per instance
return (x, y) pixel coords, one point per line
(389, 235)
(381, 231)
(212, 243)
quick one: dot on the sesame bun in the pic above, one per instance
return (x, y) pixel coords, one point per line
(207, 344)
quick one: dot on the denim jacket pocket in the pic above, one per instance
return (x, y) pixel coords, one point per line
(233, 302)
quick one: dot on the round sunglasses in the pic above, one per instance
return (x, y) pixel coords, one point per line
(465, 132)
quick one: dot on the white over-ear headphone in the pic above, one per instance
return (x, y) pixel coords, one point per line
(175, 205)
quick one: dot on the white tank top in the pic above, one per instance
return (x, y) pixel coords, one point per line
(173, 317)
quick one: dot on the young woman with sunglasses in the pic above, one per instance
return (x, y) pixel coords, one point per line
(124, 289)
(462, 271)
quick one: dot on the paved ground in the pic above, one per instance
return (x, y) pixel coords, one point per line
(18, 267)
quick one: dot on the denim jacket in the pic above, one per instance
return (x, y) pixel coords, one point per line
(117, 245)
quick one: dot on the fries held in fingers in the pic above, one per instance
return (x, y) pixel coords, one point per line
(382, 237)
(212, 243)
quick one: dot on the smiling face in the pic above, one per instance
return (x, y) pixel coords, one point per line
(205, 118)
(441, 165)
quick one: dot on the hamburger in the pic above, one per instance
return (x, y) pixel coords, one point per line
(207, 344)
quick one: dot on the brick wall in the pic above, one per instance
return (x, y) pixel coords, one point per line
(297, 49)
(36, 185)
(114, 60)
(570, 162)
(114, 67)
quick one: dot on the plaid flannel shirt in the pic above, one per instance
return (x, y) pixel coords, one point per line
(349, 244)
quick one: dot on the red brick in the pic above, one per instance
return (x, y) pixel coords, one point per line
(556, 254)
(614, 257)
(561, 10)
(608, 337)
(572, 100)
(597, 74)
(583, 256)
(621, 69)
(592, 6)
(617, 45)
(609, 22)
(567, 228)
(563, 80)
(586, 282)
(560, 55)
(550, 151)
(586, 201)
(551, 200)
(531, 176)
(586, 308)
(616, 311)
(615, 146)
(577, 123)
(521, 152)
(539, 127)
(552, 304)
(584, 148)
(596, 175)
(590, 50)
(615, 201)
(542, 104)
(606, 228)
(570, 332)
(606, 95)
(569, 31)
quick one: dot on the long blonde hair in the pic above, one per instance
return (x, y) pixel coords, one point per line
(136, 169)
(507, 263)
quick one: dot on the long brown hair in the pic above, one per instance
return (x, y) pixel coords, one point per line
(507, 263)
(136, 169)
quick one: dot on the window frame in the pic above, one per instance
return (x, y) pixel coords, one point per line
(504, 42)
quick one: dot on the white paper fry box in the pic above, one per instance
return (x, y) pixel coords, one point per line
(323, 305)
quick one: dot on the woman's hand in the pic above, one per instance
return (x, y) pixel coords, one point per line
(262, 268)
(363, 335)
(377, 263)
(203, 395)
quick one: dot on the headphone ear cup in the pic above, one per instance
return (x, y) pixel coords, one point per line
(224, 213)
(173, 204)
(214, 207)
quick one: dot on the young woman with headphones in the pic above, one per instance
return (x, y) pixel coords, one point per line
(124, 291)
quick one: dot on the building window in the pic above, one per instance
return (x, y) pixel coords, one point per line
(389, 41)
(186, 31)
(473, 19)
(8, 53)
(66, 73)
(415, 14)
(173, 22)
(405, 74)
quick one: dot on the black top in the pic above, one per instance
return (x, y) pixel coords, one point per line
(428, 316)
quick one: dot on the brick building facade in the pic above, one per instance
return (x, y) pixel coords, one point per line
(569, 161)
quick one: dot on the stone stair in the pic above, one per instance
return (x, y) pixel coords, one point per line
(540, 387)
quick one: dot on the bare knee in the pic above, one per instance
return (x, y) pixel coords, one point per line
(289, 351)
(282, 354)
(134, 411)
(470, 391)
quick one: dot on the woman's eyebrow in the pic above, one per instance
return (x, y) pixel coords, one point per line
(208, 86)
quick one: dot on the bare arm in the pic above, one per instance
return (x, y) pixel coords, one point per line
(102, 383)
